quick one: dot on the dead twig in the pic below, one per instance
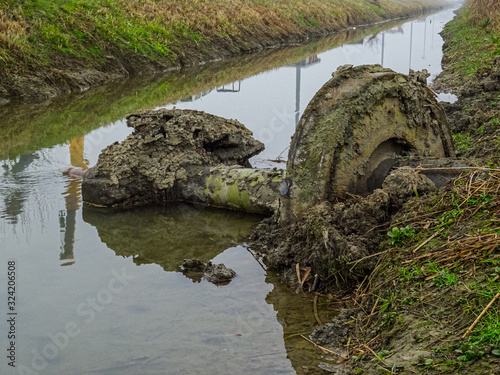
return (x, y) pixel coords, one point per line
(481, 315)
(315, 310)
(375, 354)
(367, 257)
(427, 240)
(323, 348)
(460, 168)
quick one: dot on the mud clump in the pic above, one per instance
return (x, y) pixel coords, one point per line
(330, 237)
(217, 274)
(337, 240)
(337, 331)
(406, 181)
(166, 149)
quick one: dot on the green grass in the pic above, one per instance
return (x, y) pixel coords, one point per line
(45, 33)
(487, 330)
(473, 46)
(461, 141)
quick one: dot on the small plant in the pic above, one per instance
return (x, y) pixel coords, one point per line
(388, 319)
(423, 362)
(408, 301)
(408, 274)
(469, 352)
(387, 302)
(445, 279)
(383, 355)
(449, 217)
(483, 198)
(397, 236)
(462, 142)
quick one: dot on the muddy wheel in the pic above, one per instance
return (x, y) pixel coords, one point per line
(352, 131)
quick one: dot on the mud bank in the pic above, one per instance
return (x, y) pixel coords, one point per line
(417, 271)
(25, 75)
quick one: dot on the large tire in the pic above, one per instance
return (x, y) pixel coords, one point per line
(353, 129)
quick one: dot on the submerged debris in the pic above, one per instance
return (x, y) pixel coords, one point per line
(217, 274)
(170, 157)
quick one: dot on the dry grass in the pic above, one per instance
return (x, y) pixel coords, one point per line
(472, 204)
(279, 16)
(86, 29)
(13, 32)
(426, 296)
(57, 34)
(488, 10)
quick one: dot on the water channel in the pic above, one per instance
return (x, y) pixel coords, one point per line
(100, 291)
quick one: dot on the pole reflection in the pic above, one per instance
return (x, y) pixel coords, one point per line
(72, 197)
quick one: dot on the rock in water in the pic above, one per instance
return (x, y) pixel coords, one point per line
(217, 274)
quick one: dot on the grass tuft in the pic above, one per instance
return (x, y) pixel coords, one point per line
(485, 12)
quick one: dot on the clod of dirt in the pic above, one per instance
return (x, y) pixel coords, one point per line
(338, 240)
(405, 181)
(337, 331)
(217, 274)
(166, 149)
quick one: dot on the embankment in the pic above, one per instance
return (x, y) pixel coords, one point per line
(427, 298)
(49, 48)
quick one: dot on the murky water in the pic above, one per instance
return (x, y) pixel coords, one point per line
(101, 291)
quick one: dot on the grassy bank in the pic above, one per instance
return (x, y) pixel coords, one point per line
(471, 70)
(32, 126)
(438, 273)
(61, 42)
(473, 40)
